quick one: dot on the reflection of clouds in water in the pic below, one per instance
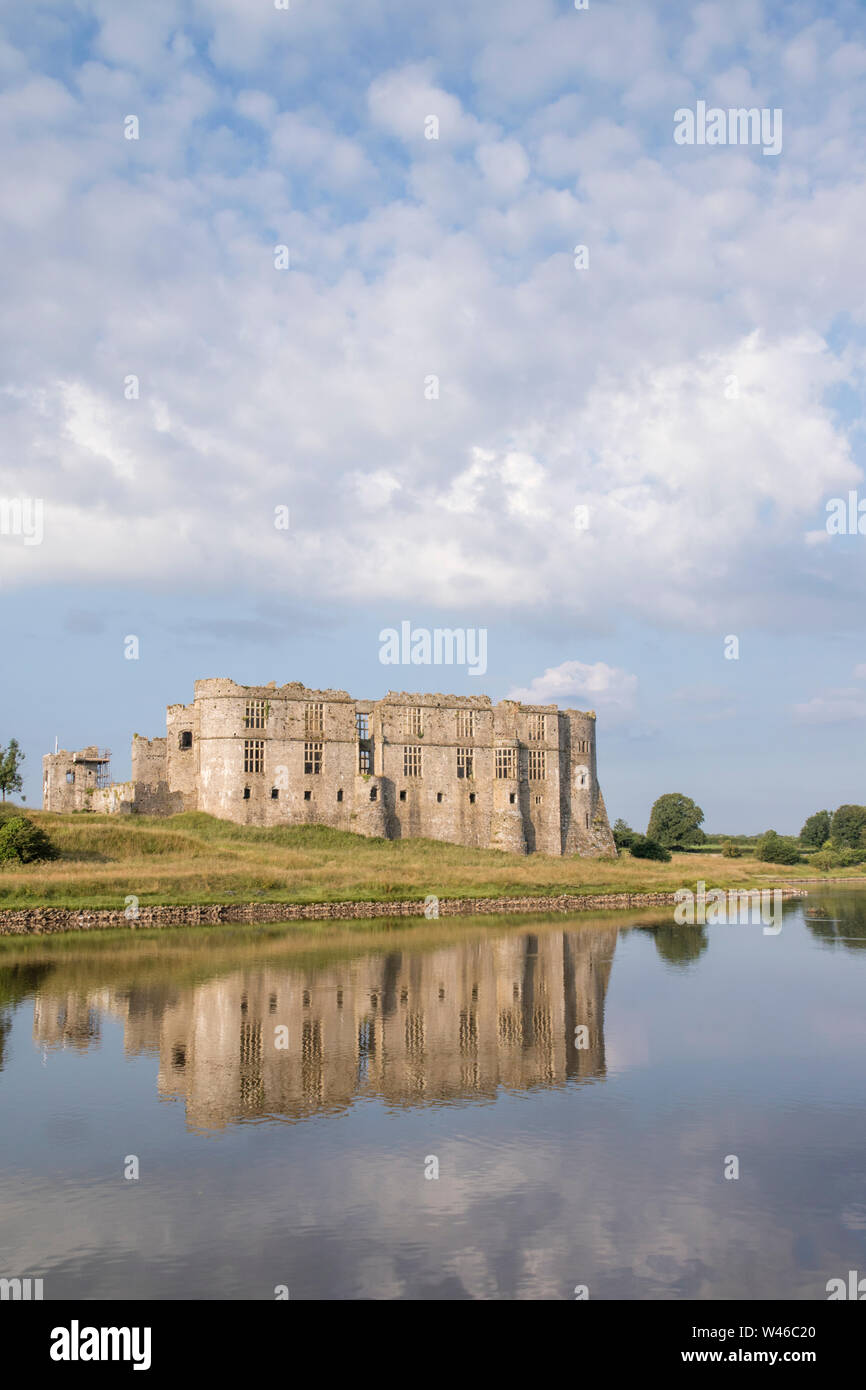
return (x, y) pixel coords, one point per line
(543, 1184)
(854, 1217)
(531, 1224)
(627, 1045)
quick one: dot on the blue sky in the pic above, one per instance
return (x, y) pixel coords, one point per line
(698, 388)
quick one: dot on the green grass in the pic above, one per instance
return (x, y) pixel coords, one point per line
(195, 858)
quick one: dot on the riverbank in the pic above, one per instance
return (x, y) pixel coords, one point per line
(49, 920)
(195, 861)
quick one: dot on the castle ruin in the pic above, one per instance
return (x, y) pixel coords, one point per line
(447, 767)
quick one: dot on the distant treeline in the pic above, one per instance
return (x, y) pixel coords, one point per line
(830, 839)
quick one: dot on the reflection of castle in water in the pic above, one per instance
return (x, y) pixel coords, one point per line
(445, 1025)
(69, 1019)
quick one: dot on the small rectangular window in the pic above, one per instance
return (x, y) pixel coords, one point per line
(312, 759)
(438, 796)
(314, 714)
(255, 715)
(373, 793)
(308, 795)
(411, 760)
(512, 797)
(471, 798)
(403, 796)
(537, 726)
(275, 793)
(415, 721)
(70, 776)
(185, 740)
(254, 755)
(246, 793)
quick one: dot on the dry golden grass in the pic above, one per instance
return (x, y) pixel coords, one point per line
(194, 858)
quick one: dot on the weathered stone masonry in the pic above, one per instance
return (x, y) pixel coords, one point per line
(448, 767)
(44, 921)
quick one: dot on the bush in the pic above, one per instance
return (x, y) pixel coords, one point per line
(623, 835)
(731, 851)
(776, 849)
(23, 842)
(644, 848)
(825, 859)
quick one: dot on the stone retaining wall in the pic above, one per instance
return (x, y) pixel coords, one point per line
(40, 921)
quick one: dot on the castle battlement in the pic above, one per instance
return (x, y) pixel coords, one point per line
(457, 768)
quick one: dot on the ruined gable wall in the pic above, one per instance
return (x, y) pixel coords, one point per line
(153, 796)
(70, 780)
(57, 793)
(182, 753)
(148, 760)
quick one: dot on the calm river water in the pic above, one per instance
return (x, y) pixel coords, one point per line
(581, 1086)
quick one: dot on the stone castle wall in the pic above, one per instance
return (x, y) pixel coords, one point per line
(455, 768)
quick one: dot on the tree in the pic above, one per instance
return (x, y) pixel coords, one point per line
(776, 849)
(847, 826)
(11, 759)
(23, 841)
(675, 820)
(816, 830)
(623, 835)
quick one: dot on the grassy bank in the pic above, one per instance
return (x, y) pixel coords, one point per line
(194, 858)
